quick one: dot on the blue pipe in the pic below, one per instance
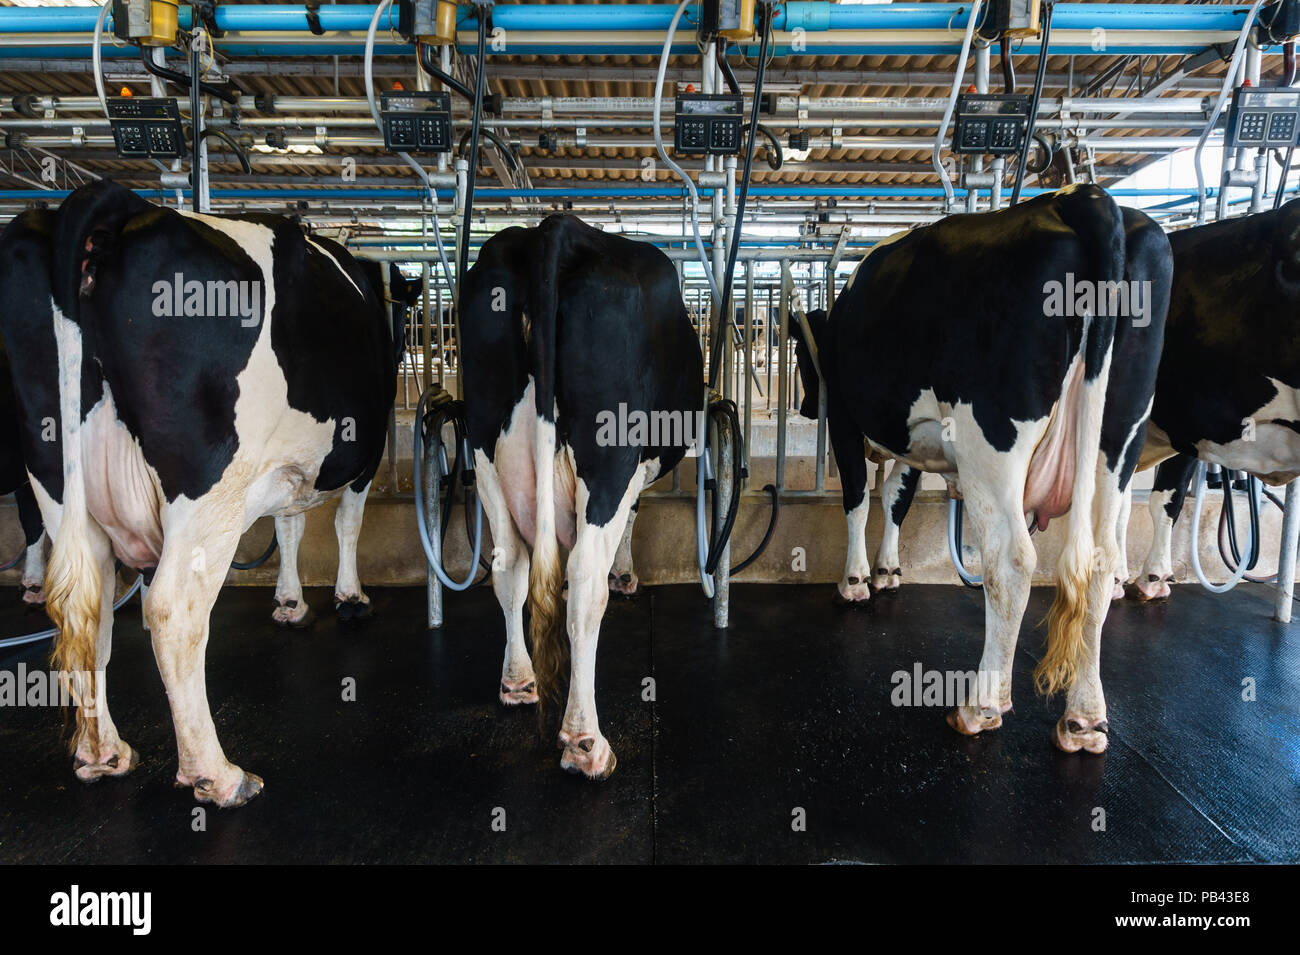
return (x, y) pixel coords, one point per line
(599, 18)
(789, 192)
(523, 48)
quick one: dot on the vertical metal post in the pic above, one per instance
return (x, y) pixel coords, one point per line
(983, 54)
(745, 385)
(725, 472)
(442, 337)
(767, 329)
(432, 521)
(202, 195)
(782, 384)
(392, 412)
(1286, 560)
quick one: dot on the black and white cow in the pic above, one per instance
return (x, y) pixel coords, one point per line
(564, 327)
(203, 371)
(350, 601)
(1228, 387)
(897, 491)
(946, 352)
(1228, 391)
(13, 473)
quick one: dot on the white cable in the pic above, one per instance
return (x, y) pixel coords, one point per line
(96, 57)
(379, 124)
(952, 105)
(663, 154)
(10, 642)
(1196, 538)
(1228, 79)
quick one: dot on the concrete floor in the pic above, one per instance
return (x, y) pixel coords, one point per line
(788, 709)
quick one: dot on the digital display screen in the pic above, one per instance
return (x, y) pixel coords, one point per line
(730, 107)
(1275, 99)
(990, 107)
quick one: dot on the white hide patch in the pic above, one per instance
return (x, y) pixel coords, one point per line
(1273, 451)
(274, 468)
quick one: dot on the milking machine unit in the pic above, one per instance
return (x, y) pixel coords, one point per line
(710, 125)
(151, 127)
(421, 122)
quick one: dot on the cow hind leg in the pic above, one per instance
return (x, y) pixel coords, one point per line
(102, 752)
(1121, 542)
(585, 749)
(1084, 724)
(350, 601)
(1168, 491)
(895, 500)
(510, 565)
(622, 576)
(855, 585)
(197, 551)
(33, 584)
(1009, 559)
(291, 609)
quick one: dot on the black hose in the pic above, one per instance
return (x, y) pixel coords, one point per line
(725, 316)
(720, 50)
(775, 155)
(1228, 522)
(474, 128)
(1034, 167)
(454, 412)
(196, 126)
(1033, 100)
(727, 409)
(258, 561)
(162, 72)
(1281, 182)
(230, 141)
(1008, 65)
(767, 538)
(497, 141)
(446, 79)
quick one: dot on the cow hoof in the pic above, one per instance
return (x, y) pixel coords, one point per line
(625, 585)
(853, 590)
(119, 763)
(353, 608)
(243, 788)
(1152, 588)
(973, 720)
(886, 580)
(589, 755)
(514, 693)
(293, 614)
(1073, 733)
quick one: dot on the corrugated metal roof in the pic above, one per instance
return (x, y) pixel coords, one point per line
(623, 76)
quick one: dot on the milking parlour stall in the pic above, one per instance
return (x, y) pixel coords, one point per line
(718, 432)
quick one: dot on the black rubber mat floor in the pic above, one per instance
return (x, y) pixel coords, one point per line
(787, 716)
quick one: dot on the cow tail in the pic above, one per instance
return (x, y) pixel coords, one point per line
(1080, 558)
(72, 576)
(546, 628)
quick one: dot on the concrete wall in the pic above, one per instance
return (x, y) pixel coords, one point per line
(664, 544)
